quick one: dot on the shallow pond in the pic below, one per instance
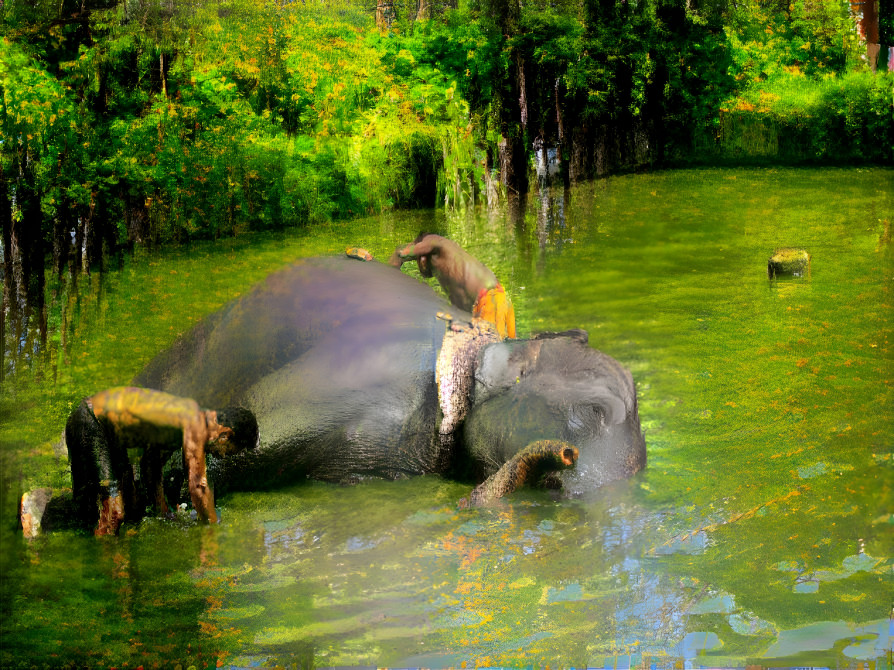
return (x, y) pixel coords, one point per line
(761, 531)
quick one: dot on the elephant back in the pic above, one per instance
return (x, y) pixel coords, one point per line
(284, 317)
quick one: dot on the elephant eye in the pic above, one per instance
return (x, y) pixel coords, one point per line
(574, 421)
(584, 417)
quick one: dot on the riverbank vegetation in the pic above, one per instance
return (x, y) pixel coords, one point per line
(161, 121)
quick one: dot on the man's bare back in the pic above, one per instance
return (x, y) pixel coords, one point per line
(461, 275)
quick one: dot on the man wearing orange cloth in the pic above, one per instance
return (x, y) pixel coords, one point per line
(469, 284)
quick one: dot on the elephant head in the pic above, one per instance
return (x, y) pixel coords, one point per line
(556, 387)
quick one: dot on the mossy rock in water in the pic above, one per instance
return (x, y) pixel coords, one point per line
(788, 262)
(46, 509)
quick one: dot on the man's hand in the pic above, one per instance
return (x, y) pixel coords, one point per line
(399, 257)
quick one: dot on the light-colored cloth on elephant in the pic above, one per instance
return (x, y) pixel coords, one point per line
(455, 368)
(494, 305)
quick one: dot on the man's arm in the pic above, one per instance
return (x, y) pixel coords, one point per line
(430, 244)
(396, 259)
(403, 254)
(200, 492)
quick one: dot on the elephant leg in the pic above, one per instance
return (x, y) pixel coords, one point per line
(98, 472)
(526, 467)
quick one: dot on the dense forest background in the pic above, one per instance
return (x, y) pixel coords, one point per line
(151, 121)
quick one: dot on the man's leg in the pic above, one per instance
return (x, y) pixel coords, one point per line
(151, 471)
(96, 472)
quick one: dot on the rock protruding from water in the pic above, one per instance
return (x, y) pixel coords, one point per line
(788, 262)
(46, 509)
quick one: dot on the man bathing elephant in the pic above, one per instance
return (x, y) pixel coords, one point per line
(469, 284)
(355, 371)
(119, 440)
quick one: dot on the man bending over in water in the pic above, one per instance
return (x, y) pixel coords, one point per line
(119, 440)
(469, 284)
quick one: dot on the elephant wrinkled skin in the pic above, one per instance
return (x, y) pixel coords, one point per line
(338, 359)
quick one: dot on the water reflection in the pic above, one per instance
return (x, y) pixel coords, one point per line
(521, 581)
(553, 198)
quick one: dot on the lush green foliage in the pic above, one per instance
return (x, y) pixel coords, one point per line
(812, 37)
(804, 91)
(251, 118)
(579, 68)
(847, 118)
(166, 120)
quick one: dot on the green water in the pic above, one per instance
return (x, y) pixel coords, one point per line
(761, 531)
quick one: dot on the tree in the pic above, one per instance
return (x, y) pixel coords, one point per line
(510, 106)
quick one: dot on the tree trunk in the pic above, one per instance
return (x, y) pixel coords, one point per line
(161, 73)
(385, 14)
(83, 237)
(61, 242)
(23, 250)
(26, 241)
(560, 117)
(6, 226)
(522, 90)
(513, 163)
(578, 154)
(136, 219)
(513, 107)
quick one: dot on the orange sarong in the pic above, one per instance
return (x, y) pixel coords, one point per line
(493, 305)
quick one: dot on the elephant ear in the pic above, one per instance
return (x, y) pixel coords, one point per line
(503, 366)
(561, 369)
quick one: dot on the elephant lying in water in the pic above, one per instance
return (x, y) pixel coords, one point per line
(354, 370)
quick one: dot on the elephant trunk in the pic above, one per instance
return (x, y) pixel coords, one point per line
(528, 466)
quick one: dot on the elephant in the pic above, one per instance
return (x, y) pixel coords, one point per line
(355, 370)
